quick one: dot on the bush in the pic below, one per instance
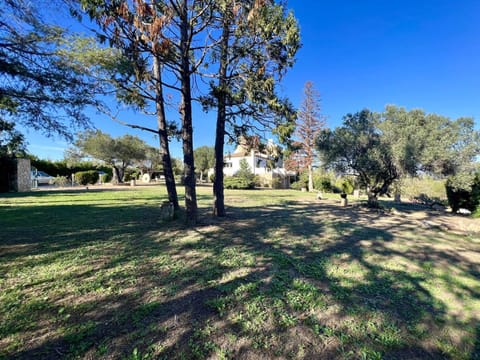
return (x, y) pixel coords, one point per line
(297, 185)
(347, 186)
(276, 183)
(86, 177)
(131, 174)
(212, 178)
(61, 181)
(464, 197)
(322, 183)
(235, 182)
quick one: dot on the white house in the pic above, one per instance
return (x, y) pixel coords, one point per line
(271, 173)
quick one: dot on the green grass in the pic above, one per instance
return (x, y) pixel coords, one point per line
(97, 274)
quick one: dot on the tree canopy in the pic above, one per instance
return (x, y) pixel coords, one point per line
(115, 152)
(308, 125)
(204, 159)
(357, 148)
(257, 44)
(380, 148)
(39, 87)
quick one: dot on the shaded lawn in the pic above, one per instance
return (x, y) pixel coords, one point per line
(95, 274)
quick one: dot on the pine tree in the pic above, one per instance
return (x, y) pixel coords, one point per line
(310, 122)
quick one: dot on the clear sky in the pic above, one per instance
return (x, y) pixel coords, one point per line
(363, 54)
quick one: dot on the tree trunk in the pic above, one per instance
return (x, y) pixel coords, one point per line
(116, 176)
(163, 136)
(310, 178)
(186, 111)
(218, 189)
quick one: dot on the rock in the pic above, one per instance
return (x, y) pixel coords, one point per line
(463, 211)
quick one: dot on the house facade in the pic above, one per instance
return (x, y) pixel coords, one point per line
(270, 172)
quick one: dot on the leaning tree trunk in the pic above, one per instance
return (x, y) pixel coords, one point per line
(218, 188)
(186, 111)
(163, 136)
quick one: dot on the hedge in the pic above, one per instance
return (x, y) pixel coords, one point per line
(86, 177)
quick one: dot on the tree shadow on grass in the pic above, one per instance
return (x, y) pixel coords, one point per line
(305, 280)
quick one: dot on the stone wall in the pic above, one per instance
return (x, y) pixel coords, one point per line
(23, 180)
(15, 175)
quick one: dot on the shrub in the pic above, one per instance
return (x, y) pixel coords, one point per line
(297, 185)
(131, 174)
(347, 186)
(276, 183)
(86, 177)
(467, 197)
(323, 183)
(61, 181)
(235, 182)
(212, 178)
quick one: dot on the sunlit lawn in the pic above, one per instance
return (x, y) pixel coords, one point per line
(96, 274)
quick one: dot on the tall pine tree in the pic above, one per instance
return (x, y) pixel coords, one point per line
(310, 122)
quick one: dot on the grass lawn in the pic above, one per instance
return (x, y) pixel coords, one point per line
(94, 274)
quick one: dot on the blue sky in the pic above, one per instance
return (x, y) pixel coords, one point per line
(363, 54)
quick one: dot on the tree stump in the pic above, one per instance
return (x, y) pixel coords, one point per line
(166, 211)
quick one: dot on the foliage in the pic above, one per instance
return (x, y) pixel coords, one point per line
(61, 181)
(429, 143)
(105, 178)
(40, 87)
(116, 152)
(87, 177)
(243, 178)
(466, 197)
(357, 148)
(66, 167)
(177, 166)
(131, 174)
(298, 185)
(12, 142)
(245, 172)
(347, 186)
(382, 149)
(257, 44)
(154, 43)
(276, 183)
(413, 187)
(308, 125)
(204, 159)
(322, 183)
(235, 182)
